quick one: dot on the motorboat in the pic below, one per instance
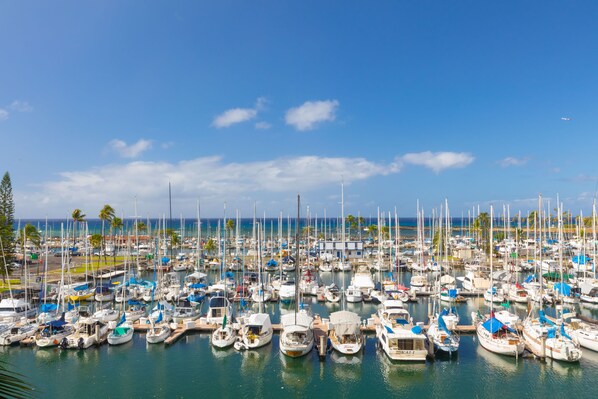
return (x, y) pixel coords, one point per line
(296, 337)
(88, 332)
(256, 333)
(345, 332)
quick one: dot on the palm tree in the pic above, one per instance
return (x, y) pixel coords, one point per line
(210, 246)
(78, 217)
(106, 214)
(96, 242)
(12, 385)
(482, 225)
(115, 224)
(29, 233)
(230, 226)
(372, 230)
(352, 222)
(141, 226)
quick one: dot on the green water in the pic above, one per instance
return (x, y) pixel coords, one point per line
(193, 368)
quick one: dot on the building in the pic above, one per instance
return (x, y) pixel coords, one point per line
(353, 249)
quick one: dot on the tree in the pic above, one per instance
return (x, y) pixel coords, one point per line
(372, 230)
(7, 211)
(13, 385)
(141, 227)
(78, 217)
(96, 242)
(352, 222)
(230, 226)
(482, 225)
(210, 246)
(116, 224)
(106, 215)
(29, 233)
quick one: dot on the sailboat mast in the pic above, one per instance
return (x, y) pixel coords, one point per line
(297, 266)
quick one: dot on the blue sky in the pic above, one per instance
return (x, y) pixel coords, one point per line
(243, 102)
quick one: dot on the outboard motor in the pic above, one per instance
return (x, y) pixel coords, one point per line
(80, 343)
(64, 343)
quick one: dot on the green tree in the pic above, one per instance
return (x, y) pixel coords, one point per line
(96, 242)
(141, 227)
(210, 247)
(352, 223)
(230, 226)
(482, 226)
(7, 236)
(106, 215)
(29, 233)
(115, 224)
(13, 385)
(372, 230)
(78, 217)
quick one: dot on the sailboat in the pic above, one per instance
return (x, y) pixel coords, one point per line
(542, 336)
(443, 336)
(491, 332)
(258, 330)
(297, 336)
(220, 310)
(123, 332)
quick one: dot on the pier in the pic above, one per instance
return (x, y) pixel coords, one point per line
(320, 328)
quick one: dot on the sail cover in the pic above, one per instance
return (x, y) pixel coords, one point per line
(493, 325)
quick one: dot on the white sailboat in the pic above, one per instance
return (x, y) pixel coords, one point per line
(297, 336)
(492, 334)
(258, 330)
(122, 334)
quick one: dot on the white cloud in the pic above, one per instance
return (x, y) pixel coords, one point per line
(512, 161)
(262, 125)
(438, 161)
(3, 114)
(130, 151)
(212, 178)
(311, 113)
(21, 106)
(238, 115)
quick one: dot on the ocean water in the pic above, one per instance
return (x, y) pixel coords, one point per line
(193, 368)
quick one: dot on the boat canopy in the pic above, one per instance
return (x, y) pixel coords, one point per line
(345, 322)
(493, 326)
(81, 287)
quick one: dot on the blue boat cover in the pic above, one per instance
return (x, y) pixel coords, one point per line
(198, 285)
(493, 325)
(564, 289)
(563, 333)
(389, 330)
(81, 287)
(48, 307)
(57, 323)
(452, 293)
(543, 318)
(272, 262)
(581, 260)
(417, 330)
(134, 303)
(529, 278)
(401, 321)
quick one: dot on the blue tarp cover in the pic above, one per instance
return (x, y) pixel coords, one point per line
(417, 330)
(198, 285)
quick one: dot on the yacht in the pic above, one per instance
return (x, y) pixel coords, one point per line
(220, 308)
(558, 345)
(256, 333)
(88, 332)
(16, 309)
(397, 335)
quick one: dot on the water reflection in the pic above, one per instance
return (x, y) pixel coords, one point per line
(296, 373)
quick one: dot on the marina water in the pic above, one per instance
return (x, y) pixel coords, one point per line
(192, 367)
